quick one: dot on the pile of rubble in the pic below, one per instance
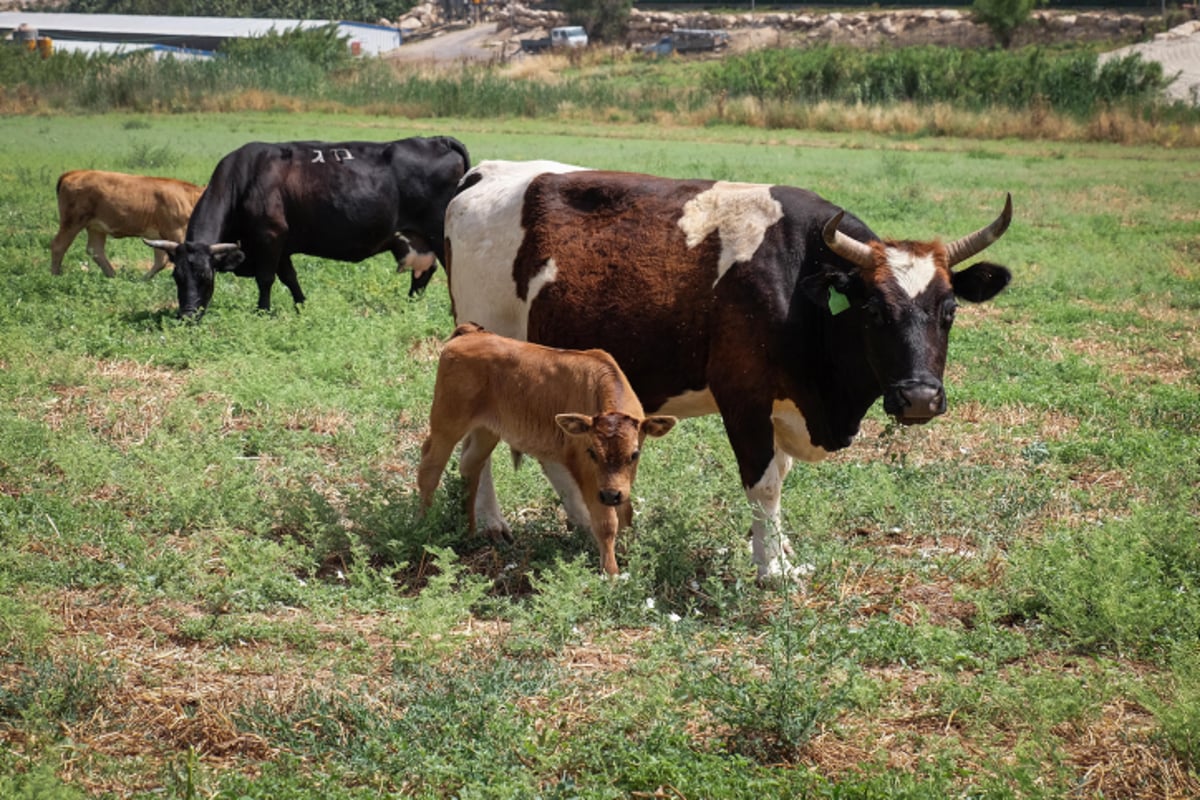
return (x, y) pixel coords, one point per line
(897, 26)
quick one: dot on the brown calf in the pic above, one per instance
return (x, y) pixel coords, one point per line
(570, 409)
(119, 205)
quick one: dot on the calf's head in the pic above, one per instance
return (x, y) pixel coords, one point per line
(610, 445)
(195, 270)
(903, 296)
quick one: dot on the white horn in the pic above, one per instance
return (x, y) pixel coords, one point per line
(166, 245)
(850, 249)
(962, 249)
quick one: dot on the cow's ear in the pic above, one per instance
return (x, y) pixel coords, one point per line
(819, 288)
(980, 282)
(658, 426)
(228, 261)
(574, 424)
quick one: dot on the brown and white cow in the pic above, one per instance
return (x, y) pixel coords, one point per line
(569, 408)
(766, 304)
(119, 205)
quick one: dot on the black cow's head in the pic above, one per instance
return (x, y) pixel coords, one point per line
(195, 270)
(903, 296)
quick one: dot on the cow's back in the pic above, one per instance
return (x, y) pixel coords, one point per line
(516, 388)
(121, 205)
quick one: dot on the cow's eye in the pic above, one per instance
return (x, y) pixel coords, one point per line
(875, 313)
(592, 454)
(948, 313)
(634, 457)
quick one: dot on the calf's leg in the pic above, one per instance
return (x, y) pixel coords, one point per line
(160, 262)
(604, 530)
(95, 246)
(435, 453)
(482, 508)
(58, 248)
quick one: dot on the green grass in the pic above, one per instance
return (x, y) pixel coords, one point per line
(214, 581)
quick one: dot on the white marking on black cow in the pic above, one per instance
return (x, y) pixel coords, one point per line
(912, 272)
(496, 240)
(791, 433)
(741, 213)
(690, 404)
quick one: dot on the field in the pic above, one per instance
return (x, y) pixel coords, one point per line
(214, 582)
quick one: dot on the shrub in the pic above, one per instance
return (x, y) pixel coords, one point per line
(1003, 17)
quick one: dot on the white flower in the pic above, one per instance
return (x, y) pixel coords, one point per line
(674, 617)
(650, 603)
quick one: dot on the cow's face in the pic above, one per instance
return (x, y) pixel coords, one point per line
(195, 270)
(608, 447)
(903, 295)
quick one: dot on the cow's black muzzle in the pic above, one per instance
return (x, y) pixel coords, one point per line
(915, 401)
(611, 497)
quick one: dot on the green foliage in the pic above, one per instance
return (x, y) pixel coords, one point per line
(39, 784)
(774, 695)
(1004, 17)
(325, 48)
(1131, 585)
(605, 20)
(428, 631)
(1071, 82)
(1175, 703)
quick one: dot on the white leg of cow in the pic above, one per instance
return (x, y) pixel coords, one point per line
(769, 547)
(568, 491)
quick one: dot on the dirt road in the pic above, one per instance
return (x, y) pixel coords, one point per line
(476, 43)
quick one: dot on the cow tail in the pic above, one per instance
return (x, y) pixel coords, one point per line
(517, 455)
(58, 185)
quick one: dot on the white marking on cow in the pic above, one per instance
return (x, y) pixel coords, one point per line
(544, 276)
(342, 154)
(769, 547)
(690, 404)
(913, 273)
(318, 157)
(791, 433)
(491, 210)
(419, 263)
(741, 213)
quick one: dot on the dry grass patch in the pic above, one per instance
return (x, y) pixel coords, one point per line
(122, 403)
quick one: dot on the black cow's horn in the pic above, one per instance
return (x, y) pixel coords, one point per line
(162, 244)
(967, 246)
(846, 247)
(222, 247)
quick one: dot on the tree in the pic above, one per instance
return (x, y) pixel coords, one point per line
(1003, 17)
(604, 19)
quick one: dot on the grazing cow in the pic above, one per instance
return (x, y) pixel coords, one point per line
(341, 200)
(119, 205)
(766, 304)
(570, 408)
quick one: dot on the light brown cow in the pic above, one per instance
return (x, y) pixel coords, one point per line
(119, 205)
(573, 410)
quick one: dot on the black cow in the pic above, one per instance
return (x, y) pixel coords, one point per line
(765, 304)
(341, 200)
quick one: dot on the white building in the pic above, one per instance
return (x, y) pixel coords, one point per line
(127, 32)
